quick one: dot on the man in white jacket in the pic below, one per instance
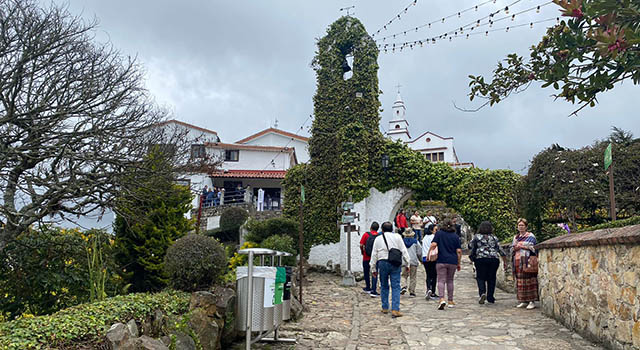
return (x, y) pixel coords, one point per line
(388, 271)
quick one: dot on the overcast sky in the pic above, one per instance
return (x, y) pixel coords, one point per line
(236, 66)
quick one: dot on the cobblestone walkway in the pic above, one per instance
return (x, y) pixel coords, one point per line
(347, 318)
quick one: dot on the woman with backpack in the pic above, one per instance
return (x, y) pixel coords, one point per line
(485, 254)
(449, 257)
(415, 256)
(366, 247)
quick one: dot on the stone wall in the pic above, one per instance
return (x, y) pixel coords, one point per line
(591, 283)
(504, 279)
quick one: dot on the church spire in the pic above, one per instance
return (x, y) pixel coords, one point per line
(398, 125)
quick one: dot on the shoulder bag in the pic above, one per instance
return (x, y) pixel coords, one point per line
(395, 255)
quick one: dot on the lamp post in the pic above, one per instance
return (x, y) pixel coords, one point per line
(385, 163)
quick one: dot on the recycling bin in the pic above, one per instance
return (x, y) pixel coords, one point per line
(286, 295)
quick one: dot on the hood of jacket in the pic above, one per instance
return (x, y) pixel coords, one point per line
(409, 241)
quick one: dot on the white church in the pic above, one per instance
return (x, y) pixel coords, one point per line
(434, 147)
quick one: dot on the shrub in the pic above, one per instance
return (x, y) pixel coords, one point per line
(635, 220)
(46, 270)
(261, 230)
(549, 231)
(284, 244)
(87, 323)
(240, 259)
(195, 261)
(232, 218)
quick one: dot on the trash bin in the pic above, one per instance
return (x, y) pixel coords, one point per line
(264, 280)
(281, 278)
(286, 295)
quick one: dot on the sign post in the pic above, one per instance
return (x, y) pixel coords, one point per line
(348, 218)
(608, 163)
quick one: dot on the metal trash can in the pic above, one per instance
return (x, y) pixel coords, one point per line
(258, 301)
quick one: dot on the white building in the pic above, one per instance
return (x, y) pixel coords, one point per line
(280, 138)
(434, 147)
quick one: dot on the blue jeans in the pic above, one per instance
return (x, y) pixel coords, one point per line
(389, 272)
(374, 281)
(418, 234)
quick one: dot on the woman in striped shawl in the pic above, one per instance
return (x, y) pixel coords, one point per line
(522, 248)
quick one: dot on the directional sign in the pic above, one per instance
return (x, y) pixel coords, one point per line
(347, 205)
(347, 219)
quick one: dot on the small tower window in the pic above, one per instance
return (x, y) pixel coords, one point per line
(397, 126)
(397, 112)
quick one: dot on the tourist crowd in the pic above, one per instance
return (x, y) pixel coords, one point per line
(392, 259)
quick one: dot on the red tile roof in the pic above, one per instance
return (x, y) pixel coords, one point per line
(222, 145)
(251, 174)
(274, 130)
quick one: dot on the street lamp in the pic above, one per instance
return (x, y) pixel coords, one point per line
(385, 163)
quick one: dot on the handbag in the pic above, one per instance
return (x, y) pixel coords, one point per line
(395, 255)
(531, 265)
(474, 250)
(433, 255)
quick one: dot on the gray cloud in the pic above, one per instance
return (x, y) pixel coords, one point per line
(234, 66)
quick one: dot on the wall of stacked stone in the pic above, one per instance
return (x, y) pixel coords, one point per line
(504, 278)
(590, 282)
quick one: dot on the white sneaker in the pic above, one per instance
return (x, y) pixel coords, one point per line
(531, 306)
(521, 305)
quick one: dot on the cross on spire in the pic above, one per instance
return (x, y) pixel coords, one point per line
(398, 87)
(348, 9)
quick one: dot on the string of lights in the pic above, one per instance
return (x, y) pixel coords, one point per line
(287, 145)
(415, 29)
(413, 3)
(471, 26)
(411, 45)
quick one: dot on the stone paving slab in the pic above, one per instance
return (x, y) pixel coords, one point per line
(347, 318)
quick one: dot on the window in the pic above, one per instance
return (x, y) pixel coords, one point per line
(435, 157)
(198, 151)
(231, 155)
(397, 126)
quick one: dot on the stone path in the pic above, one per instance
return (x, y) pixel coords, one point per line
(347, 318)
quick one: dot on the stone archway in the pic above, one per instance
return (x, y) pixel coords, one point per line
(378, 206)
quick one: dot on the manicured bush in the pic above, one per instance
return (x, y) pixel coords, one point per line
(195, 261)
(284, 244)
(232, 218)
(261, 230)
(87, 324)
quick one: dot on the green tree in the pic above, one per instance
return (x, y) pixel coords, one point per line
(581, 57)
(153, 219)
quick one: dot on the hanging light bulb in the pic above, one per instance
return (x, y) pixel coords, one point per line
(507, 29)
(450, 38)
(513, 17)
(476, 7)
(416, 29)
(506, 10)
(405, 33)
(490, 24)
(393, 50)
(429, 25)
(478, 23)
(394, 36)
(442, 19)
(558, 20)
(467, 36)
(456, 33)
(421, 44)
(494, 1)
(486, 33)
(531, 25)
(538, 9)
(458, 14)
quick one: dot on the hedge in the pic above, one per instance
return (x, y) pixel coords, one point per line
(87, 323)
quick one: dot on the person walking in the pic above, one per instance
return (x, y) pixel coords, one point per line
(370, 282)
(401, 221)
(449, 256)
(522, 249)
(485, 254)
(429, 266)
(389, 256)
(416, 225)
(415, 256)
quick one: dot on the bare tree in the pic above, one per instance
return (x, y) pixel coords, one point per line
(74, 118)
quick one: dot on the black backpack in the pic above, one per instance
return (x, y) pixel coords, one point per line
(368, 245)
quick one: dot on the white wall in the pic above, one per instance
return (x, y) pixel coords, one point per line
(436, 142)
(378, 207)
(273, 139)
(193, 135)
(255, 160)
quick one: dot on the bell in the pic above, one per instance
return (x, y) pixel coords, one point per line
(345, 66)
